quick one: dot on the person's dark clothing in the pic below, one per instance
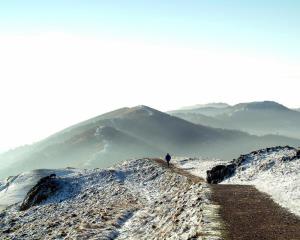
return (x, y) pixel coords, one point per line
(168, 159)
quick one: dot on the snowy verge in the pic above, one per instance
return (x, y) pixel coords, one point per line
(197, 165)
(274, 171)
(137, 199)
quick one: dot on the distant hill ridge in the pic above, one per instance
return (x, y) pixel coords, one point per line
(213, 105)
(260, 118)
(265, 105)
(127, 133)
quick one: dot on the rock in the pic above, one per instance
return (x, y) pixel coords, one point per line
(7, 231)
(291, 158)
(267, 165)
(298, 153)
(219, 173)
(53, 175)
(45, 187)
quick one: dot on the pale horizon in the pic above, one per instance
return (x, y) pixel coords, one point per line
(63, 63)
(65, 125)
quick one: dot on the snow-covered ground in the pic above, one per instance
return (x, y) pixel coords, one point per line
(271, 174)
(197, 165)
(15, 188)
(137, 199)
(269, 171)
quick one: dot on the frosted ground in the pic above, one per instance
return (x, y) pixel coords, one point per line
(268, 171)
(138, 199)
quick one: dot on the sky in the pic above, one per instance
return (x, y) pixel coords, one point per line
(62, 62)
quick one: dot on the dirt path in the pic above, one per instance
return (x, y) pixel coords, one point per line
(180, 171)
(249, 214)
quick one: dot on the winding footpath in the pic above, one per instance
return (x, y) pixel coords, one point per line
(249, 214)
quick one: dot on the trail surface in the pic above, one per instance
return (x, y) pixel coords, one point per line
(249, 214)
(180, 171)
(136, 199)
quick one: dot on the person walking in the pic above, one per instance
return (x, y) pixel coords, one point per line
(168, 159)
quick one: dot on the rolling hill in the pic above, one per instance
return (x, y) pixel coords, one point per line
(128, 133)
(258, 118)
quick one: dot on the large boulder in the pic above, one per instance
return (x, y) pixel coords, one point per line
(45, 187)
(219, 173)
(298, 153)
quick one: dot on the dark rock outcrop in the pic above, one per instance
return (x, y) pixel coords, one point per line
(45, 187)
(219, 173)
(298, 153)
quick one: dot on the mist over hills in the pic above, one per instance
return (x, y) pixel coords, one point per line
(128, 133)
(208, 105)
(257, 118)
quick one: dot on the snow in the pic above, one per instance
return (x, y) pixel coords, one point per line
(98, 131)
(137, 199)
(106, 149)
(14, 189)
(145, 108)
(271, 171)
(197, 165)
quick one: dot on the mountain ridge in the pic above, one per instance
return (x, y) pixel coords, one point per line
(259, 118)
(134, 132)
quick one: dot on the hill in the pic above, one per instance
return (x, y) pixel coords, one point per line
(274, 171)
(138, 199)
(131, 133)
(258, 118)
(208, 105)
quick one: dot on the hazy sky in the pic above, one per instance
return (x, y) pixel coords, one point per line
(62, 62)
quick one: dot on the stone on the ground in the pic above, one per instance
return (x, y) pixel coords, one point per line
(219, 173)
(45, 187)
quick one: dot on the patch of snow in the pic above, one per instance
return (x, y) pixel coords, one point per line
(95, 156)
(146, 109)
(98, 131)
(14, 189)
(197, 165)
(269, 172)
(137, 199)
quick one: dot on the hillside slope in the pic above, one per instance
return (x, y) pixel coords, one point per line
(274, 171)
(131, 133)
(258, 118)
(137, 199)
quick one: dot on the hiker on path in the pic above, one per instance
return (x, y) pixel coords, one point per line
(168, 159)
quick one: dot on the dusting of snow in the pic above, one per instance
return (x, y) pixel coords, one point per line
(137, 199)
(96, 155)
(98, 131)
(14, 189)
(273, 173)
(145, 108)
(197, 165)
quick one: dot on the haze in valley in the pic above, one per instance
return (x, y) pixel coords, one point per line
(63, 63)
